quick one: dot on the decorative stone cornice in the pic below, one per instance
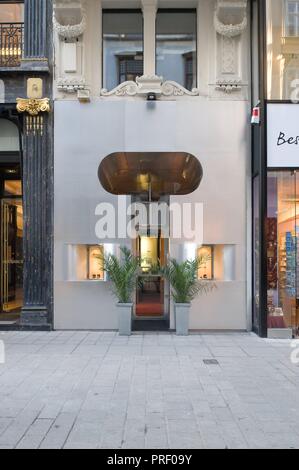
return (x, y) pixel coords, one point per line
(229, 86)
(146, 85)
(230, 18)
(71, 85)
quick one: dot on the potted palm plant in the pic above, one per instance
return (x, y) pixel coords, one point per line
(185, 287)
(123, 274)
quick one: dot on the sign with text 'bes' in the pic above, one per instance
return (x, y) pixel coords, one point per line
(283, 135)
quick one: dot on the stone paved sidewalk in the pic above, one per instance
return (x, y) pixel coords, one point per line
(97, 390)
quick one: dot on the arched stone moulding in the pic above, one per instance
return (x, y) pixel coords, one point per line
(227, 15)
(69, 31)
(149, 84)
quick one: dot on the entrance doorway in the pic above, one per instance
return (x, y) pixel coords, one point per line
(11, 221)
(11, 256)
(151, 178)
(11, 249)
(152, 293)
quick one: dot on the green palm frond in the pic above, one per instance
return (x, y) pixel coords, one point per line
(183, 278)
(122, 273)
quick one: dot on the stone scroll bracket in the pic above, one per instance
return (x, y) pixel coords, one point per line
(230, 24)
(149, 84)
(70, 23)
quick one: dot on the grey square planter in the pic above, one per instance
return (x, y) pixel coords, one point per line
(182, 316)
(125, 319)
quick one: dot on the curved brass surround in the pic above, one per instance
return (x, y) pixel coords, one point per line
(161, 173)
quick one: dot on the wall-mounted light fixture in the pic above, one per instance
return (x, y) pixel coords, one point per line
(151, 97)
(206, 269)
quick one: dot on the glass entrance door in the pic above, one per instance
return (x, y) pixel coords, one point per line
(152, 299)
(11, 255)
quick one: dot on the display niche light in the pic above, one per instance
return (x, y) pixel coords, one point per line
(95, 265)
(206, 271)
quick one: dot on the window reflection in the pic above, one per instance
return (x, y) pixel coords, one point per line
(282, 48)
(176, 47)
(11, 13)
(292, 18)
(256, 252)
(122, 47)
(9, 136)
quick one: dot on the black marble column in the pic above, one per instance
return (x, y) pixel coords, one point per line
(37, 30)
(38, 229)
(38, 178)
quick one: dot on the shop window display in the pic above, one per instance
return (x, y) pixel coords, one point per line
(283, 251)
(206, 269)
(95, 265)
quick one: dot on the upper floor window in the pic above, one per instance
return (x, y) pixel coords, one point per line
(282, 48)
(11, 12)
(11, 33)
(176, 46)
(122, 47)
(292, 18)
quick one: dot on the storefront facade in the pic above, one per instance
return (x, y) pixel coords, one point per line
(185, 107)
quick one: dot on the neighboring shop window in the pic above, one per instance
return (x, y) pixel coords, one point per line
(282, 48)
(9, 136)
(282, 251)
(122, 47)
(256, 253)
(292, 18)
(176, 47)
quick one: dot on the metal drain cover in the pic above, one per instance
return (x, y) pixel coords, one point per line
(211, 362)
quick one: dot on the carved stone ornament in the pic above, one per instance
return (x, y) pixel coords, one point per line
(230, 19)
(146, 85)
(70, 31)
(71, 85)
(229, 86)
(33, 106)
